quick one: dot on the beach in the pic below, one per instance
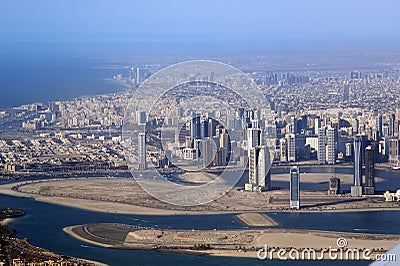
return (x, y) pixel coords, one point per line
(242, 243)
(125, 196)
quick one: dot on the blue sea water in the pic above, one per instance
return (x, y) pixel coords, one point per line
(43, 72)
(43, 224)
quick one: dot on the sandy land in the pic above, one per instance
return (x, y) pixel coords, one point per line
(198, 177)
(256, 219)
(227, 242)
(6, 221)
(125, 196)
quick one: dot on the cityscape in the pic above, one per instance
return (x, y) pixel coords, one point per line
(180, 133)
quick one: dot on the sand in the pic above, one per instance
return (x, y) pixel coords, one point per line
(256, 219)
(125, 196)
(232, 242)
(6, 221)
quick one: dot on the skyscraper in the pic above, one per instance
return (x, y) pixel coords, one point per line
(142, 151)
(355, 125)
(253, 137)
(283, 150)
(356, 189)
(207, 152)
(346, 93)
(321, 146)
(394, 148)
(291, 147)
(369, 188)
(138, 79)
(392, 120)
(264, 180)
(331, 146)
(204, 129)
(294, 188)
(259, 162)
(317, 125)
(379, 126)
(195, 127)
(141, 118)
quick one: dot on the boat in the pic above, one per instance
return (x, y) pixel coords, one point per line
(396, 167)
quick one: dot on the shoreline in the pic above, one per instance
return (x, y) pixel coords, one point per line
(6, 221)
(106, 206)
(231, 243)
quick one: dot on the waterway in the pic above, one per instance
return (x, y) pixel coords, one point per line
(43, 223)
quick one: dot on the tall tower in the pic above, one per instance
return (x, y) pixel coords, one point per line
(317, 125)
(356, 189)
(369, 188)
(253, 137)
(291, 147)
(142, 151)
(394, 152)
(138, 79)
(321, 146)
(253, 160)
(283, 150)
(259, 161)
(294, 188)
(331, 146)
(392, 120)
(204, 129)
(195, 127)
(264, 178)
(379, 126)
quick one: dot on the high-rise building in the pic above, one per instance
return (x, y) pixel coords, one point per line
(355, 125)
(394, 150)
(253, 161)
(397, 122)
(369, 188)
(356, 189)
(206, 152)
(224, 143)
(204, 129)
(392, 120)
(138, 78)
(253, 137)
(291, 147)
(317, 125)
(321, 154)
(379, 126)
(195, 127)
(141, 118)
(142, 151)
(331, 146)
(259, 163)
(346, 93)
(294, 188)
(349, 149)
(263, 176)
(283, 150)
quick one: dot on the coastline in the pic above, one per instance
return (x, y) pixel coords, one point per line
(108, 206)
(231, 243)
(6, 221)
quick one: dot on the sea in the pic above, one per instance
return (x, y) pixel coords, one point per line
(33, 72)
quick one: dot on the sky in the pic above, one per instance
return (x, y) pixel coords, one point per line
(251, 24)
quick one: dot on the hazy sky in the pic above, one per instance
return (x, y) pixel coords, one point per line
(280, 23)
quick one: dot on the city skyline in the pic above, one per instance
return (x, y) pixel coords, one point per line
(217, 132)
